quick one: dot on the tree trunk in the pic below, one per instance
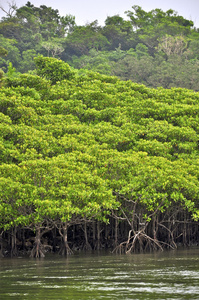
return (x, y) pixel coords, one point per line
(37, 250)
(1, 244)
(94, 231)
(87, 246)
(14, 251)
(116, 233)
(65, 249)
(54, 234)
(98, 236)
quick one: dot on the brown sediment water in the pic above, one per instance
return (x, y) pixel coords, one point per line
(160, 275)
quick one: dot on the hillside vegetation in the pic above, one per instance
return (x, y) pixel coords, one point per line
(154, 48)
(89, 161)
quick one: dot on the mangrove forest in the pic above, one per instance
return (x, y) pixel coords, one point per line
(99, 132)
(89, 161)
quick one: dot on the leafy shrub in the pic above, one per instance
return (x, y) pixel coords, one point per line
(53, 69)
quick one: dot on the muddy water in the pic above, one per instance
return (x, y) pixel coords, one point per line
(162, 275)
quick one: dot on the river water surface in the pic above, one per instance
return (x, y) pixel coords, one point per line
(162, 275)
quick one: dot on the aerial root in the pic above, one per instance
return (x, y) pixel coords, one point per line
(37, 251)
(140, 242)
(65, 250)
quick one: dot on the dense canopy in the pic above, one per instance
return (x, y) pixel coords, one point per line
(114, 160)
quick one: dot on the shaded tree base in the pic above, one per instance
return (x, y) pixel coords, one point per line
(65, 250)
(37, 251)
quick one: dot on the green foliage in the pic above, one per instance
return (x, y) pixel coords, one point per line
(1, 76)
(13, 53)
(53, 69)
(84, 38)
(11, 73)
(154, 24)
(33, 82)
(27, 63)
(154, 48)
(90, 141)
(3, 52)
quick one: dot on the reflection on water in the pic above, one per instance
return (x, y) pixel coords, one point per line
(166, 275)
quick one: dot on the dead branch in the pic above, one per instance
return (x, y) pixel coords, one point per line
(11, 9)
